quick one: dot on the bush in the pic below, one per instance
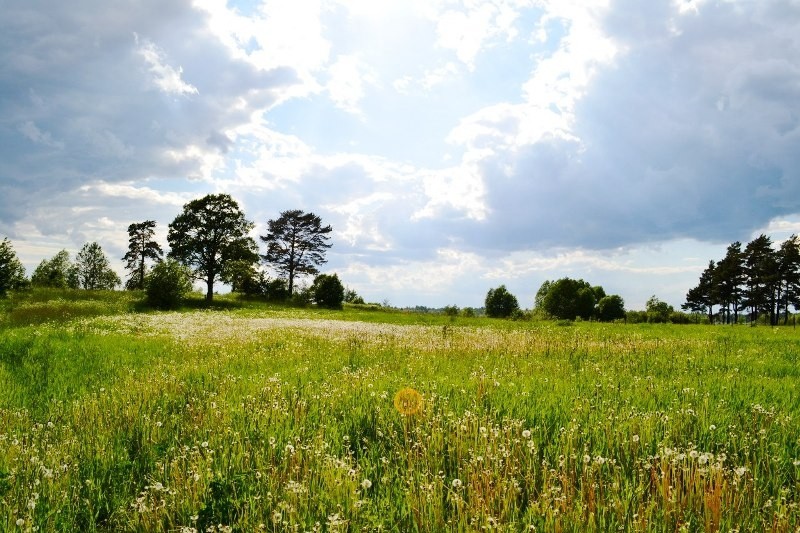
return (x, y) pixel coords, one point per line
(328, 291)
(167, 284)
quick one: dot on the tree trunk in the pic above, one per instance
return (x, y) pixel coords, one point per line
(210, 289)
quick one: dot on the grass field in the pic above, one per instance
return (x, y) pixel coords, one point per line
(248, 417)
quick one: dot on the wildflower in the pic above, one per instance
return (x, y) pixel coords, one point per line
(740, 471)
(635, 438)
(456, 483)
(587, 459)
(20, 522)
(204, 444)
(408, 401)
(366, 484)
(526, 433)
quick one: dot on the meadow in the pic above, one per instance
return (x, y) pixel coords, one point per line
(261, 418)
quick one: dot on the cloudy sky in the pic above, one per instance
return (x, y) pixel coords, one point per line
(453, 145)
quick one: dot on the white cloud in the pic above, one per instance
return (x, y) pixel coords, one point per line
(346, 87)
(165, 77)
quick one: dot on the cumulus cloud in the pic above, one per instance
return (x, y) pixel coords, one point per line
(481, 140)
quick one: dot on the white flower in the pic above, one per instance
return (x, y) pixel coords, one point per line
(635, 438)
(456, 483)
(20, 522)
(365, 484)
(526, 433)
(740, 471)
(587, 459)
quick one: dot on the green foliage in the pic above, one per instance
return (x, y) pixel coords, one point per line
(611, 308)
(210, 233)
(141, 247)
(93, 270)
(468, 312)
(567, 299)
(12, 273)
(500, 303)
(167, 284)
(352, 297)
(328, 291)
(57, 273)
(296, 244)
(657, 311)
(450, 310)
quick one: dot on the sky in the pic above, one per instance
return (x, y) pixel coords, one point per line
(453, 145)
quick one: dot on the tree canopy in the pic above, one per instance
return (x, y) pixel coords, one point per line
(211, 232)
(141, 247)
(296, 244)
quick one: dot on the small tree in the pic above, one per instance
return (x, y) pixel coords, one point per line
(328, 291)
(500, 303)
(210, 233)
(167, 284)
(12, 273)
(93, 269)
(352, 297)
(141, 247)
(296, 244)
(658, 311)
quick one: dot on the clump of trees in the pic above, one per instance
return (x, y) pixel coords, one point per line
(91, 270)
(759, 280)
(568, 299)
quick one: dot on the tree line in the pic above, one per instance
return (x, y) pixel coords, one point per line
(758, 280)
(208, 241)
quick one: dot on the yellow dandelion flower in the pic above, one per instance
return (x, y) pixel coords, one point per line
(408, 401)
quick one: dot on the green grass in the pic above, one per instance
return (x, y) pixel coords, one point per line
(255, 417)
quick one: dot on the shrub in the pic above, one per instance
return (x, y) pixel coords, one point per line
(328, 291)
(167, 284)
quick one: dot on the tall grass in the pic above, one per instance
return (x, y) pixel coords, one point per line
(284, 420)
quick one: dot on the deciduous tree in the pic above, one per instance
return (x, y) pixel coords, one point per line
(211, 232)
(500, 303)
(93, 269)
